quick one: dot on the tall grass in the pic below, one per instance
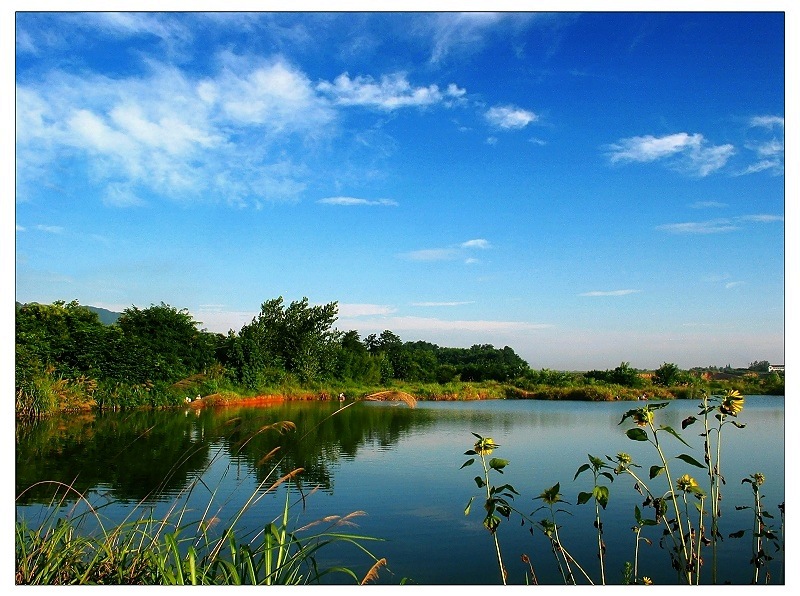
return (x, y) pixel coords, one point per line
(75, 544)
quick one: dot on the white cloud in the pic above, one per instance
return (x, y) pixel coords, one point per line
(50, 229)
(694, 155)
(19, 228)
(168, 133)
(767, 121)
(510, 117)
(440, 304)
(392, 92)
(708, 205)
(704, 160)
(769, 150)
(649, 148)
(352, 201)
(428, 324)
(714, 226)
(449, 253)
(459, 34)
(120, 195)
(733, 284)
(763, 166)
(460, 30)
(137, 23)
(477, 243)
(761, 218)
(609, 293)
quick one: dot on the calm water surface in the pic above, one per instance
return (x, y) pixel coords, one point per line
(401, 467)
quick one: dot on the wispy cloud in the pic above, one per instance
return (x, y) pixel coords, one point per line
(194, 137)
(476, 243)
(761, 218)
(510, 117)
(708, 205)
(716, 226)
(391, 92)
(769, 148)
(440, 304)
(50, 229)
(609, 293)
(121, 195)
(355, 202)
(175, 135)
(459, 32)
(449, 253)
(733, 284)
(689, 153)
(428, 324)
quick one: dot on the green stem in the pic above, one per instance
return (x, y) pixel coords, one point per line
(683, 549)
(756, 533)
(494, 531)
(599, 540)
(699, 540)
(713, 490)
(652, 497)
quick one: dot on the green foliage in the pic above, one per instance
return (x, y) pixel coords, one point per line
(496, 503)
(297, 339)
(622, 375)
(141, 358)
(666, 375)
(160, 343)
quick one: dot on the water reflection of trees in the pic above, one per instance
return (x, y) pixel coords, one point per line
(324, 434)
(133, 454)
(149, 454)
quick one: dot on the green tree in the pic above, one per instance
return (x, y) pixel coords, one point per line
(667, 375)
(161, 343)
(66, 337)
(759, 366)
(298, 339)
(626, 376)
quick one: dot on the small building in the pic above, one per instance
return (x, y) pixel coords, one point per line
(777, 368)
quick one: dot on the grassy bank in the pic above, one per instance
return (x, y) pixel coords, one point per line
(49, 393)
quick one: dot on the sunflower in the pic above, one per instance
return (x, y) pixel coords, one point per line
(686, 483)
(485, 446)
(732, 402)
(642, 416)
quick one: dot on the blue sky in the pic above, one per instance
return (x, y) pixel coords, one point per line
(587, 188)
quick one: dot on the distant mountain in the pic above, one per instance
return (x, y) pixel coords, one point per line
(107, 317)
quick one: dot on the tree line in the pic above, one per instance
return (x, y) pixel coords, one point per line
(66, 357)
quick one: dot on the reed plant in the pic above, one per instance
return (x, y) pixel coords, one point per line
(74, 544)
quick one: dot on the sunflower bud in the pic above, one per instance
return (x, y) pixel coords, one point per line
(686, 482)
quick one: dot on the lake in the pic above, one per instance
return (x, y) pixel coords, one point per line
(402, 467)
